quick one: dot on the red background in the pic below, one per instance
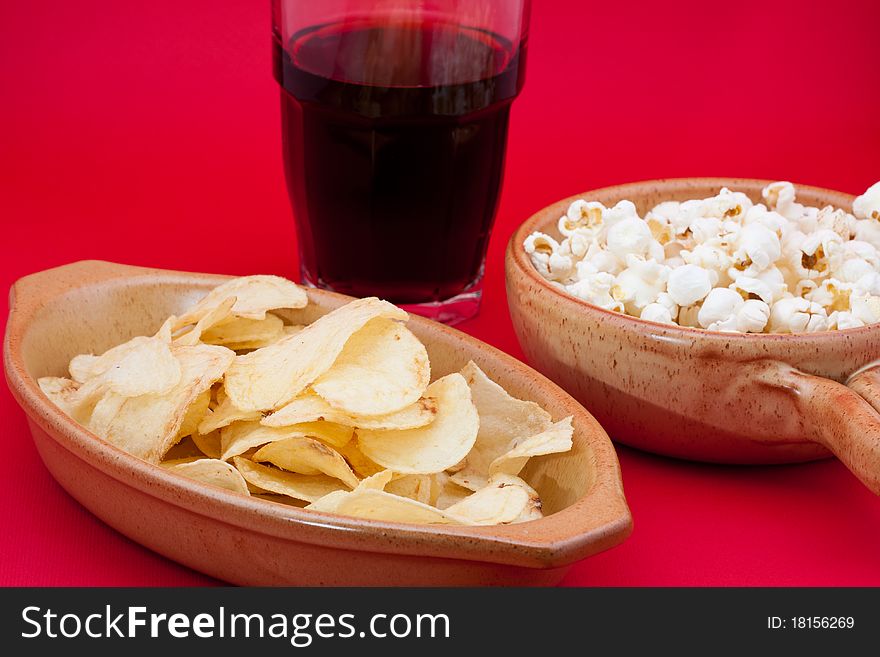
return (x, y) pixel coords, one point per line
(148, 133)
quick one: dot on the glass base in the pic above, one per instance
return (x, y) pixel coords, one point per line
(449, 311)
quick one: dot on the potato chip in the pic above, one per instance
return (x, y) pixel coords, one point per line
(254, 296)
(330, 502)
(504, 500)
(297, 486)
(310, 407)
(147, 425)
(82, 401)
(307, 456)
(250, 345)
(330, 433)
(239, 330)
(270, 377)
(239, 437)
(166, 330)
(377, 481)
(383, 368)
(502, 419)
(415, 487)
(469, 480)
(194, 415)
(141, 366)
(555, 439)
(208, 444)
(87, 366)
(64, 394)
(215, 315)
(433, 448)
(361, 464)
(83, 367)
(104, 412)
(446, 492)
(212, 471)
(379, 505)
(224, 415)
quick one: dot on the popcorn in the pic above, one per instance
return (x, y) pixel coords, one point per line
(758, 248)
(629, 236)
(719, 306)
(728, 325)
(752, 288)
(797, 315)
(833, 295)
(560, 266)
(639, 284)
(836, 220)
(596, 289)
(868, 284)
(775, 280)
(865, 307)
(623, 210)
(727, 204)
(576, 245)
(704, 229)
(722, 263)
(855, 250)
(667, 209)
(689, 284)
(780, 197)
(752, 316)
(844, 320)
(804, 287)
(772, 220)
(581, 215)
(655, 312)
(854, 269)
(710, 257)
(539, 248)
(868, 230)
(867, 206)
(604, 260)
(666, 301)
(661, 228)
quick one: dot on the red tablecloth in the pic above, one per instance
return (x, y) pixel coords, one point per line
(148, 133)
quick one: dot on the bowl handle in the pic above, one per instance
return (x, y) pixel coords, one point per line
(843, 418)
(30, 293)
(38, 288)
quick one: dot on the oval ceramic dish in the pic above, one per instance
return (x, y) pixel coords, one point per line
(697, 394)
(90, 306)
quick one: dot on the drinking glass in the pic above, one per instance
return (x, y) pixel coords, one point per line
(394, 117)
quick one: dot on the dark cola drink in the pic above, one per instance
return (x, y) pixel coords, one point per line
(394, 136)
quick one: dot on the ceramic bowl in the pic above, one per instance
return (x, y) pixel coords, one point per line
(697, 394)
(90, 306)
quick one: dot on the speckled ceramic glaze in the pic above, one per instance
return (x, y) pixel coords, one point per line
(90, 306)
(697, 394)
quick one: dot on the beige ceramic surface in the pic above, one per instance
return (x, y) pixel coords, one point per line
(698, 394)
(90, 306)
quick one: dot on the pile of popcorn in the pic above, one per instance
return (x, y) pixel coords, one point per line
(722, 263)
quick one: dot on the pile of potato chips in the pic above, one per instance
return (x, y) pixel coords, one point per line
(339, 416)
